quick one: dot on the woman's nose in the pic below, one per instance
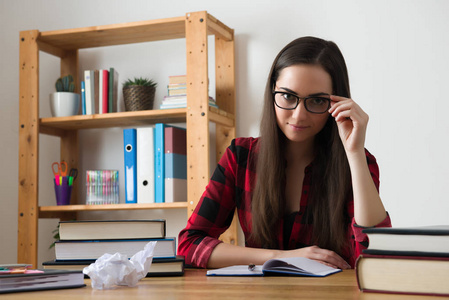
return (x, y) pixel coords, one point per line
(300, 111)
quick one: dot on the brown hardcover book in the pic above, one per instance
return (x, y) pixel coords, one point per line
(403, 274)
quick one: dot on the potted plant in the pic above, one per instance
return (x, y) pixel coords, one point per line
(138, 93)
(64, 102)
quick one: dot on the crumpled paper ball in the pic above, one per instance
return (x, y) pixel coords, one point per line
(116, 269)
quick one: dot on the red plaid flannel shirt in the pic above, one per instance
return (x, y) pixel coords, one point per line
(231, 187)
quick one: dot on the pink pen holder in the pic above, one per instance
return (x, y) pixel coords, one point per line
(63, 193)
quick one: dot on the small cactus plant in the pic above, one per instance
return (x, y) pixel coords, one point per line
(65, 84)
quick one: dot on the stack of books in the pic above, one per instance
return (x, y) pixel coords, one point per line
(155, 164)
(99, 91)
(405, 261)
(177, 93)
(82, 242)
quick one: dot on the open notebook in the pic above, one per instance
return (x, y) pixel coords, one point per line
(298, 266)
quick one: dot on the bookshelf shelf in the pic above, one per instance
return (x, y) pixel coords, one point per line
(195, 28)
(136, 118)
(44, 211)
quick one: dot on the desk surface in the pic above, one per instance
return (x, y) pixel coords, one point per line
(196, 285)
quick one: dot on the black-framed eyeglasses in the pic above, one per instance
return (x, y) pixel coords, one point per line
(314, 104)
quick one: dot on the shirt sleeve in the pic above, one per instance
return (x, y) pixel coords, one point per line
(360, 238)
(213, 214)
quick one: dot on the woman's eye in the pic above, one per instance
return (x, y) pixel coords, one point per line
(289, 97)
(317, 101)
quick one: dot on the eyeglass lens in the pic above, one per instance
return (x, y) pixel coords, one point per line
(312, 104)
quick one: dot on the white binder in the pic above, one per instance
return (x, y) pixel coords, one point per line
(145, 165)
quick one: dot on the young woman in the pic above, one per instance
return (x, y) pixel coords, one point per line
(307, 186)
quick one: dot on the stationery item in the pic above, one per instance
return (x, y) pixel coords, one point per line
(414, 241)
(111, 229)
(159, 162)
(113, 90)
(102, 187)
(14, 268)
(130, 154)
(37, 280)
(93, 249)
(298, 266)
(145, 163)
(59, 170)
(175, 149)
(72, 175)
(403, 274)
(63, 192)
(159, 267)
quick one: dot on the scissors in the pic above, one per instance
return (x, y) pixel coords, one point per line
(72, 175)
(59, 172)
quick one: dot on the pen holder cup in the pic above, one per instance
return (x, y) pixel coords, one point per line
(63, 194)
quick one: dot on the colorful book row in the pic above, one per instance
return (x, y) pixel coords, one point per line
(155, 164)
(99, 91)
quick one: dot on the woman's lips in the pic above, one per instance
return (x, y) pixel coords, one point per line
(298, 127)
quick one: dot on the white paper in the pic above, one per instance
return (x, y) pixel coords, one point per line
(115, 269)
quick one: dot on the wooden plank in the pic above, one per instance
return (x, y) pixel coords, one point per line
(108, 207)
(69, 147)
(198, 139)
(116, 34)
(119, 119)
(223, 137)
(50, 49)
(28, 148)
(53, 126)
(219, 29)
(225, 94)
(69, 66)
(225, 75)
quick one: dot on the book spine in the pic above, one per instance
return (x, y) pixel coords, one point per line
(113, 90)
(145, 163)
(159, 161)
(175, 164)
(90, 91)
(130, 155)
(83, 98)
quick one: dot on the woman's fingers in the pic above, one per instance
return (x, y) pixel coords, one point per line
(326, 257)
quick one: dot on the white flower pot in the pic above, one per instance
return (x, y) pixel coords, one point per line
(64, 104)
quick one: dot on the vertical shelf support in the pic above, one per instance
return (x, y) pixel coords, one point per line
(197, 119)
(69, 140)
(225, 94)
(28, 148)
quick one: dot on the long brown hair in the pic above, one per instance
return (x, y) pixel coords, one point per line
(330, 181)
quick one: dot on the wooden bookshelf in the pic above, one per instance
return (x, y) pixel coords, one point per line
(195, 28)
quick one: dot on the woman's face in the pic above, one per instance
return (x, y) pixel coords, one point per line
(300, 125)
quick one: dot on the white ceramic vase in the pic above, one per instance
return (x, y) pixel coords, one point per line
(64, 104)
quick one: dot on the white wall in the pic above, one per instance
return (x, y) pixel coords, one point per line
(396, 53)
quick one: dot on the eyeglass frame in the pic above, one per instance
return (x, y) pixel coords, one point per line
(304, 100)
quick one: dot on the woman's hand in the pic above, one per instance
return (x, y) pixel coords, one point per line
(352, 122)
(326, 257)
